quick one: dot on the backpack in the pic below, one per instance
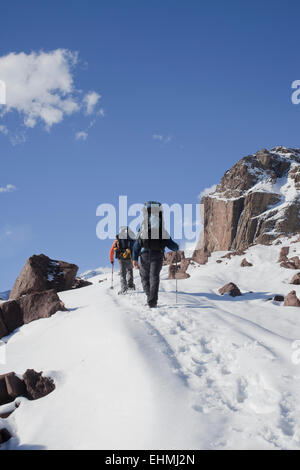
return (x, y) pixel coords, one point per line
(152, 234)
(124, 243)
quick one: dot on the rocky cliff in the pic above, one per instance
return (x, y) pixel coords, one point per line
(257, 200)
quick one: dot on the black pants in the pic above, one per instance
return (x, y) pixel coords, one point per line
(151, 264)
(126, 273)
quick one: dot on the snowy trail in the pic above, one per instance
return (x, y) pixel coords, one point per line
(114, 388)
(235, 366)
(210, 372)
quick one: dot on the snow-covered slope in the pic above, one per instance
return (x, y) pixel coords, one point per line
(209, 372)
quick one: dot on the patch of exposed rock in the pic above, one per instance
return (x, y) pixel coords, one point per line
(245, 263)
(32, 386)
(231, 289)
(41, 273)
(248, 208)
(295, 279)
(291, 300)
(16, 313)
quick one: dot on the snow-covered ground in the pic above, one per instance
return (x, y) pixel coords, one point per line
(209, 372)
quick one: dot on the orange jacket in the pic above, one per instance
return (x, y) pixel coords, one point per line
(112, 252)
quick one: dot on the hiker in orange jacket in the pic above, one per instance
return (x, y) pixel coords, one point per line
(121, 249)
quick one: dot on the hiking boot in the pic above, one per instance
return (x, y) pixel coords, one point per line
(122, 291)
(152, 304)
(131, 287)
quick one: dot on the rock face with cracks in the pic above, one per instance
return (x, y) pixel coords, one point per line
(257, 201)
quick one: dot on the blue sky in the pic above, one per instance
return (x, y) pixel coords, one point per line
(213, 78)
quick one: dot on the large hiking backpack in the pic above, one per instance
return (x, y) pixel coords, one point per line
(152, 234)
(124, 243)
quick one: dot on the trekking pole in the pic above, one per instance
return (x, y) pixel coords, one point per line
(176, 276)
(112, 276)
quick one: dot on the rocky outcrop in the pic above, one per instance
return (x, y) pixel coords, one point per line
(173, 256)
(37, 386)
(4, 435)
(245, 263)
(179, 271)
(233, 253)
(28, 308)
(200, 256)
(283, 254)
(78, 283)
(40, 305)
(291, 263)
(231, 289)
(249, 206)
(41, 273)
(32, 386)
(11, 315)
(291, 300)
(295, 279)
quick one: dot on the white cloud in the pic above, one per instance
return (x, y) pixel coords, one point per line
(90, 101)
(3, 130)
(81, 135)
(162, 138)
(8, 188)
(40, 87)
(207, 191)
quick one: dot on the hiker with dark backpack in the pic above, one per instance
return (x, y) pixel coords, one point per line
(122, 250)
(151, 242)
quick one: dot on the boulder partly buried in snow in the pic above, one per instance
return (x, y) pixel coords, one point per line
(231, 289)
(37, 386)
(173, 256)
(11, 315)
(4, 435)
(245, 263)
(40, 305)
(32, 386)
(41, 273)
(291, 300)
(295, 279)
(78, 283)
(179, 271)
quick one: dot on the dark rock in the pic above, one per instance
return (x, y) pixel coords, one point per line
(233, 253)
(4, 435)
(283, 254)
(3, 329)
(278, 298)
(15, 386)
(6, 414)
(172, 256)
(245, 263)
(295, 279)
(291, 300)
(41, 273)
(288, 265)
(200, 256)
(219, 261)
(37, 386)
(231, 289)
(40, 305)
(78, 283)
(296, 261)
(234, 217)
(4, 396)
(11, 315)
(179, 271)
